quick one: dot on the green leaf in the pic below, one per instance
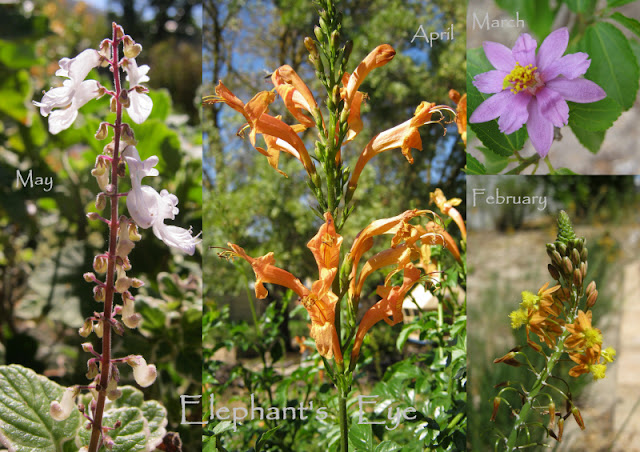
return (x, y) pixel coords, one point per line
(361, 437)
(131, 436)
(613, 64)
(594, 116)
(156, 416)
(581, 6)
(16, 89)
(563, 172)
(628, 22)
(222, 427)
(488, 132)
(161, 104)
(495, 163)
(474, 167)
(388, 446)
(18, 55)
(538, 15)
(616, 3)
(25, 423)
(590, 140)
(635, 47)
(404, 335)
(265, 437)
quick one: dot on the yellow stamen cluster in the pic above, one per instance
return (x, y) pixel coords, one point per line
(520, 77)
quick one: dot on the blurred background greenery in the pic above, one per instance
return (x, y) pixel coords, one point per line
(508, 256)
(46, 241)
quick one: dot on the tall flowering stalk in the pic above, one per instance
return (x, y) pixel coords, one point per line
(147, 208)
(332, 298)
(558, 323)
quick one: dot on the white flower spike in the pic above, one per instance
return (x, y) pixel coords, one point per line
(148, 208)
(73, 93)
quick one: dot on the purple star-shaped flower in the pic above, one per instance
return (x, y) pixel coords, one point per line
(533, 89)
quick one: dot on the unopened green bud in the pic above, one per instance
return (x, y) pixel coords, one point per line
(577, 278)
(310, 44)
(567, 266)
(575, 257)
(318, 32)
(584, 254)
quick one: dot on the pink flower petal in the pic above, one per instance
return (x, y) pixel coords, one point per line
(490, 82)
(492, 107)
(540, 129)
(552, 48)
(579, 90)
(524, 51)
(516, 115)
(571, 66)
(499, 56)
(553, 107)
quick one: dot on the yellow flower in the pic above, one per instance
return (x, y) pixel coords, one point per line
(583, 334)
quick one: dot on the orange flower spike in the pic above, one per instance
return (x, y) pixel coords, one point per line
(266, 272)
(447, 206)
(405, 136)
(433, 234)
(461, 113)
(295, 94)
(390, 305)
(378, 57)
(320, 303)
(325, 245)
(223, 94)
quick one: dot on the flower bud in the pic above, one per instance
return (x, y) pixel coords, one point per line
(556, 259)
(318, 32)
(590, 288)
(496, 405)
(98, 328)
(100, 263)
(113, 105)
(128, 136)
(592, 298)
(560, 428)
(125, 244)
(124, 99)
(577, 416)
(62, 410)
(553, 271)
(584, 254)
(119, 30)
(129, 317)
(103, 131)
(131, 49)
(136, 283)
(98, 293)
(113, 393)
(134, 235)
(105, 50)
(575, 257)
(144, 374)
(122, 284)
(552, 414)
(86, 328)
(577, 278)
(101, 201)
(562, 249)
(92, 369)
(348, 47)
(567, 266)
(584, 266)
(89, 277)
(310, 44)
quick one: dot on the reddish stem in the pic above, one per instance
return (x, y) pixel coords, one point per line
(105, 366)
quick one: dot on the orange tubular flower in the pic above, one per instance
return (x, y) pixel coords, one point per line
(266, 272)
(278, 135)
(354, 121)
(295, 93)
(390, 305)
(364, 240)
(461, 113)
(405, 136)
(378, 57)
(434, 234)
(446, 206)
(321, 306)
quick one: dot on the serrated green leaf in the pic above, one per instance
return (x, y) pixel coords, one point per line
(590, 140)
(581, 6)
(361, 438)
(594, 116)
(494, 162)
(635, 47)
(474, 167)
(488, 132)
(613, 64)
(25, 423)
(132, 434)
(628, 22)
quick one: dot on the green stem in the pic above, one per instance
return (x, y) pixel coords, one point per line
(344, 422)
(525, 163)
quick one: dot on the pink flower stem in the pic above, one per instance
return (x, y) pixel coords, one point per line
(96, 432)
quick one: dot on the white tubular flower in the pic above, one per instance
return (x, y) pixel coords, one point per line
(148, 208)
(141, 104)
(62, 410)
(144, 374)
(73, 93)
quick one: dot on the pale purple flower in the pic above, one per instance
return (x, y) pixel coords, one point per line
(533, 89)
(73, 93)
(141, 104)
(149, 209)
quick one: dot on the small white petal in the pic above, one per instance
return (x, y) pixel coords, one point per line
(62, 410)
(140, 107)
